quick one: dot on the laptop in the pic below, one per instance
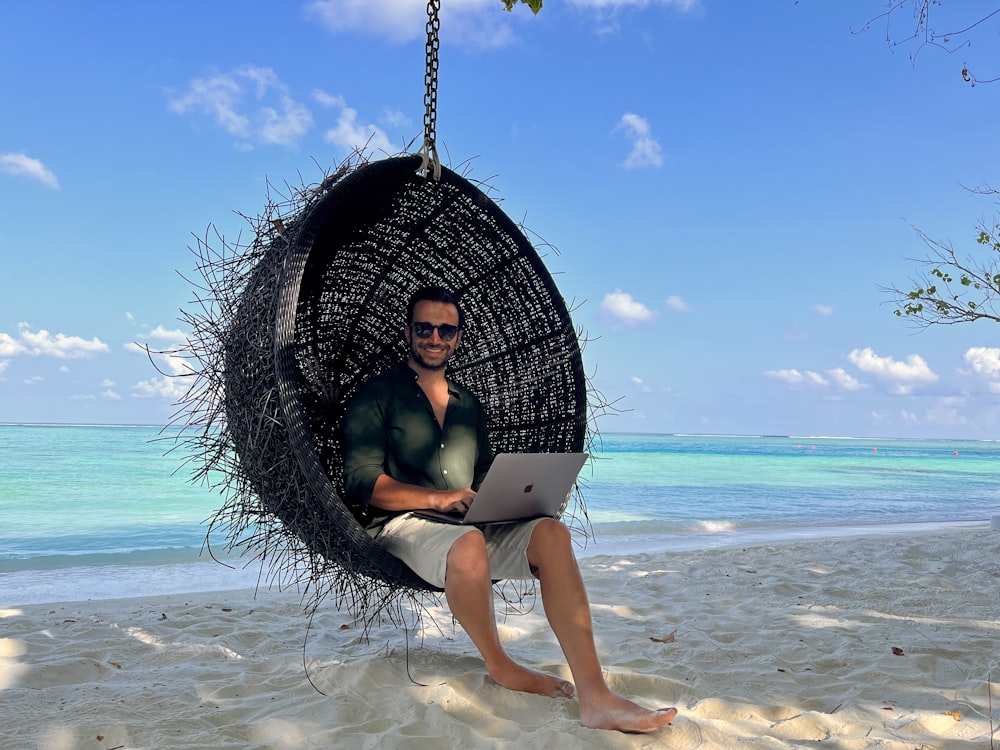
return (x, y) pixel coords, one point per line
(520, 486)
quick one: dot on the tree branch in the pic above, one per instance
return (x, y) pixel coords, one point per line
(949, 290)
(923, 31)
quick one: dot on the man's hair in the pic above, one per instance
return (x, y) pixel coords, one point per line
(435, 294)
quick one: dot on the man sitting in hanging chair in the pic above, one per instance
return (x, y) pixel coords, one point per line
(434, 463)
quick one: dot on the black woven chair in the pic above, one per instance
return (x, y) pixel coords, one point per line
(290, 325)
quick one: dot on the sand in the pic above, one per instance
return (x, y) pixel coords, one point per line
(889, 641)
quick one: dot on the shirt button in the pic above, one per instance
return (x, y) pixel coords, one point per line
(445, 471)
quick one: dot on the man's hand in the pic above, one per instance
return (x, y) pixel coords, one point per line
(455, 501)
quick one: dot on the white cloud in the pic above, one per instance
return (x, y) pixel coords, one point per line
(34, 380)
(787, 376)
(172, 384)
(984, 361)
(470, 23)
(844, 381)
(60, 345)
(325, 99)
(901, 377)
(646, 151)
(4, 364)
(110, 395)
(837, 379)
(348, 133)
(620, 306)
(395, 119)
(21, 165)
(676, 303)
(170, 388)
(825, 310)
(44, 344)
(792, 377)
(399, 20)
(815, 379)
(171, 336)
(9, 346)
(107, 383)
(640, 384)
(250, 103)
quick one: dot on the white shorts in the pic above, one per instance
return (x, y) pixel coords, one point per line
(424, 545)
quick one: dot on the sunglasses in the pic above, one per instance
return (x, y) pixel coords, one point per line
(425, 330)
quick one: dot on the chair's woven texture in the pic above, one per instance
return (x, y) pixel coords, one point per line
(294, 322)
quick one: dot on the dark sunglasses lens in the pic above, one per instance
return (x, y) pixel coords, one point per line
(426, 330)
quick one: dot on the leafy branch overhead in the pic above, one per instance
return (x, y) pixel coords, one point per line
(950, 289)
(535, 5)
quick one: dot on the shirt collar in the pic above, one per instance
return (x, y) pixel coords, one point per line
(412, 376)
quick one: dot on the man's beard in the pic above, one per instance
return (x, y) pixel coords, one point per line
(418, 358)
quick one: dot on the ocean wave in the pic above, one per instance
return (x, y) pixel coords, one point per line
(135, 557)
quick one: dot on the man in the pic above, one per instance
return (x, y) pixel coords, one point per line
(413, 439)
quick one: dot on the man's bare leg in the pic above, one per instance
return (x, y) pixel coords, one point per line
(568, 611)
(469, 591)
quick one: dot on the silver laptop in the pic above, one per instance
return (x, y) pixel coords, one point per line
(520, 486)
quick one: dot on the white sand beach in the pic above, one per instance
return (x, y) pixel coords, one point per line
(888, 641)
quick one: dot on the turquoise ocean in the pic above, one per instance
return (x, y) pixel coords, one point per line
(91, 512)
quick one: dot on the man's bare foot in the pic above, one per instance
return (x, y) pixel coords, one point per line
(516, 677)
(614, 712)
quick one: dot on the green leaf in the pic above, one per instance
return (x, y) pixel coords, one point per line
(535, 5)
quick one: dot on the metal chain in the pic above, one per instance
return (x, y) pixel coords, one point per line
(431, 164)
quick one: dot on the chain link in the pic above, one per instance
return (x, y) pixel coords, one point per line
(431, 163)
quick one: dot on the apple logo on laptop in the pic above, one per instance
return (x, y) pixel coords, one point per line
(528, 488)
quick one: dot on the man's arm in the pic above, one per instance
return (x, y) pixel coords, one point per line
(394, 496)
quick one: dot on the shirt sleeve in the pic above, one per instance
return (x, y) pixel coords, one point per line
(365, 443)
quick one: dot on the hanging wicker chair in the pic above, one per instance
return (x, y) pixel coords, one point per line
(288, 327)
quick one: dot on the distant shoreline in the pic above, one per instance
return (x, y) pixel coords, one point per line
(751, 436)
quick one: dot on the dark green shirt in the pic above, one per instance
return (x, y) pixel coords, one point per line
(390, 428)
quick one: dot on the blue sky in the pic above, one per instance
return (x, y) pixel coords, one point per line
(729, 186)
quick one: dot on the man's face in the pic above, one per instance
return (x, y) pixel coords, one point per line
(433, 352)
